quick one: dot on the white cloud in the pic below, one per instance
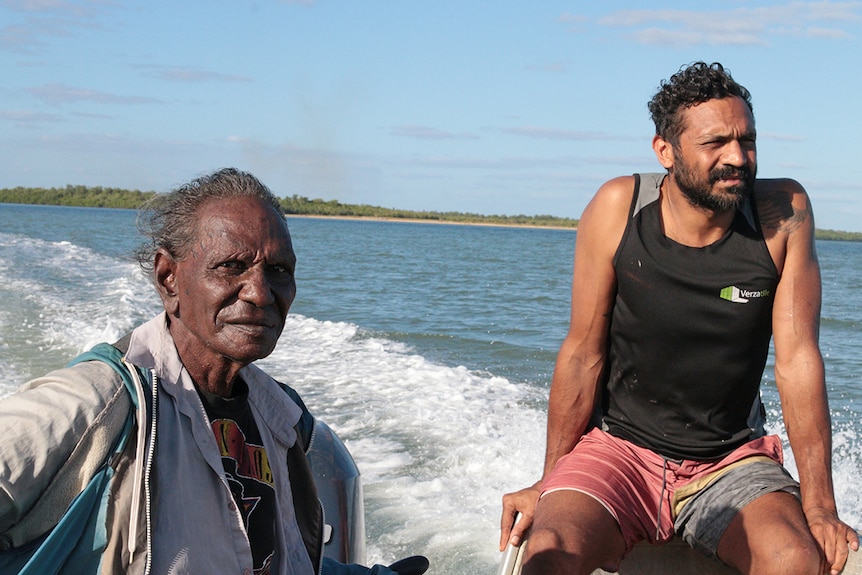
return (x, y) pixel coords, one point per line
(25, 117)
(191, 74)
(428, 133)
(45, 19)
(574, 22)
(739, 26)
(779, 137)
(63, 94)
(827, 33)
(56, 7)
(556, 134)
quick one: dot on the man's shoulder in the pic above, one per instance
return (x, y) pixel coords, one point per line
(777, 185)
(604, 220)
(622, 184)
(782, 204)
(614, 195)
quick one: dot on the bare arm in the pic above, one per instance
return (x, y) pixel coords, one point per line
(581, 358)
(799, 369)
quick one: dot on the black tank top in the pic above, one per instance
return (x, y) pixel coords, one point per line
(689, 335)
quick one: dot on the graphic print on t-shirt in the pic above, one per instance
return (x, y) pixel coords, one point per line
(249, 475)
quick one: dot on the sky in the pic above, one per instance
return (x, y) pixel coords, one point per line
(505, 107)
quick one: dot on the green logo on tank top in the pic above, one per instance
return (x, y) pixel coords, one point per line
(737, 295)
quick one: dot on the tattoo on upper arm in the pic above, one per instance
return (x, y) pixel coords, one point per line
(778, 213)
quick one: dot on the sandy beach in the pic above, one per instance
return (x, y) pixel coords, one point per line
(429, 221)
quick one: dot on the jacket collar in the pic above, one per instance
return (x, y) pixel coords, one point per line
(152, 347)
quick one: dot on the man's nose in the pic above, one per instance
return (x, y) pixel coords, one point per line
(257, 288)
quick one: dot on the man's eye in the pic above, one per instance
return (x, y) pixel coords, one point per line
(281, 270)
(231, 265)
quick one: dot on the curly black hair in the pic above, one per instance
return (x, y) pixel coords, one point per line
(692, 85)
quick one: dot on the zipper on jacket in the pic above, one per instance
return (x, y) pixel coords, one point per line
(140, 447)
(311, 435)
(154, 381)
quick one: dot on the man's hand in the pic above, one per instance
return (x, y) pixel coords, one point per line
(834, 537)
(523, 502)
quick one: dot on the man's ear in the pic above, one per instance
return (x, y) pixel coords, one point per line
(663, 152)
(165, 275)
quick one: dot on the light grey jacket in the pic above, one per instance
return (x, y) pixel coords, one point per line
(181, 497)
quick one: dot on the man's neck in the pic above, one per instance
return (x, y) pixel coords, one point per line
(688, 224)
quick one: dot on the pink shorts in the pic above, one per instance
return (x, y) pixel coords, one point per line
(646, 493)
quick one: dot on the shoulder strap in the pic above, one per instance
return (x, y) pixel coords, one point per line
(305, 426)
(647, 188)
(113, 356)
(48, 537)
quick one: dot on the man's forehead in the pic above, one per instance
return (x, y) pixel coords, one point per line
(718, 114)
(248, 220)
(733, 105)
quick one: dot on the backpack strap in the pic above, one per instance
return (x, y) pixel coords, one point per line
(50, 531)
(123, 343)
(113, 356)
(305, 426)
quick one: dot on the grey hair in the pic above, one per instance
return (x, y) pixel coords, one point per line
(169, 221)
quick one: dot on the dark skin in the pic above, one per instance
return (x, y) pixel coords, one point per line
(228, 298)
(718, 136)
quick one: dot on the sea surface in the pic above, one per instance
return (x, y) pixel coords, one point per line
(428, 348)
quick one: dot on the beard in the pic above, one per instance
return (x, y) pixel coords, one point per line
(699, 191)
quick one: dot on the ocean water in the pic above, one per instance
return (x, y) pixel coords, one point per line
(428, 348)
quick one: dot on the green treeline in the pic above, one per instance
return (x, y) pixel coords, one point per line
(837, 236)
(81, 196)
(300, 205)
(99, 197)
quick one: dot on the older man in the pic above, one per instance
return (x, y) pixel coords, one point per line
(680, 280)
(216, 480)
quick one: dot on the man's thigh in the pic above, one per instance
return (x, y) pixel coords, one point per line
(770, 529)
(626, 480)
(574, 530)
(705, 519)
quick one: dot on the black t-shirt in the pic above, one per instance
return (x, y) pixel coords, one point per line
(247, 469)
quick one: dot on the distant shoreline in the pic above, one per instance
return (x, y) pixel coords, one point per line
(429, 221)
(303, 207)
(297, 206)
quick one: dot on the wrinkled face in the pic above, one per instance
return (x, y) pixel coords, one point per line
(228, 299)
(715, 160)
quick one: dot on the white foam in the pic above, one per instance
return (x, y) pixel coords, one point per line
(437, 445)
(846, 463)
(60, 299)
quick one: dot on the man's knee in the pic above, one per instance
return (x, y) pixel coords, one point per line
(770, 535)
(548, 552)
(799, 556)
(572, 533)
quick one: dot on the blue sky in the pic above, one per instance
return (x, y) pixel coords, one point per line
(488, 107)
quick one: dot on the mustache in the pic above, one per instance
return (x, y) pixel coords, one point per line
(727, 172)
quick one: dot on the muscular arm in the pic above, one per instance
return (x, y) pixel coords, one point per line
(799, 370)
(581, 358)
